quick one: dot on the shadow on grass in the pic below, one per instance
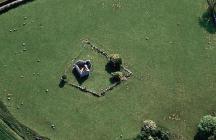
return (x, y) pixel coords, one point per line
(138, 137)
(200, 136)
(109, 68)
(79, 80)
(62, 83)
(206, 21)
(114, 80)
(12, 6)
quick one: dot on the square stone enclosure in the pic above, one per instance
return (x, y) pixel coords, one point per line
(98, 82)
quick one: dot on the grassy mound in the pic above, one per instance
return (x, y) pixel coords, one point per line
(7, 133)
(14, 129)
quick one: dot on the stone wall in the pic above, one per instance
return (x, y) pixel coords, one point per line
(102, 91)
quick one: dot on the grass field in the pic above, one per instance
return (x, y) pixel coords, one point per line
(171, 55)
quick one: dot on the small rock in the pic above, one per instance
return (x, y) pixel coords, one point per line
(147, 38)
(14, 30)
(8, 98)
(33, 73)
(21, 103)
(53, 126)
(24, 24)
(10, 30)
(21, 76)
(46, 90)
(23, 43)
(24, 49)
(9, 95)
(25, 18)
(18, 107)
(38, 60)
(121, 136)
(38, 73)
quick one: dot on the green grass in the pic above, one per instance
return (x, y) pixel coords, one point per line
(174, 71)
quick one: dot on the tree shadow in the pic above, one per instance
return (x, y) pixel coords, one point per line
(78, 78)
(200, 136)
(113, 80)
(62, 83)
(13, 6)
(109, 68)
(138, 137)
(206, 21)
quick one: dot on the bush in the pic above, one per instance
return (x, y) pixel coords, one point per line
(211, 4)
(150, 131)
(118, 76)
(63, 81)
(64, 77)
(207, 126)
(116, 59)
(115, 62)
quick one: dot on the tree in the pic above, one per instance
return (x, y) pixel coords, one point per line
(64, 77)
(211, 4)
(118, 76)
(150, 131)
(207, 126)
(212, 9)
(63, 81)
(115, 61)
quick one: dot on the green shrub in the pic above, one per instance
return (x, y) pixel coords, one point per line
(207, 125)
(115, 62)
(211, 3)
(116, 59)
(64, 77)
(150, 131)
(118, 76)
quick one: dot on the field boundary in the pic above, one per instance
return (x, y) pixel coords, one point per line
(103, 91)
